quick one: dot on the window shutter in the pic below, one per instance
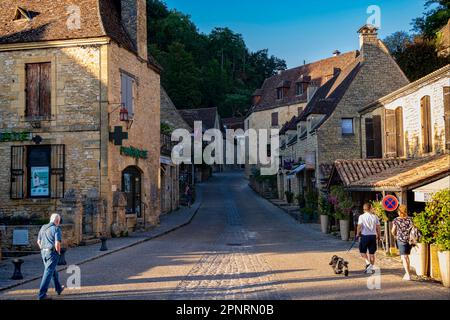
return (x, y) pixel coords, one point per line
(57, 171)
(45, 88)
(370, 147)
(377, 144)
(447, 116)
(399, 128)
(391, 135)
(17, 172)
(32, 90)
(425, 114)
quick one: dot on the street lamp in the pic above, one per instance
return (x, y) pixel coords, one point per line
(123, 114)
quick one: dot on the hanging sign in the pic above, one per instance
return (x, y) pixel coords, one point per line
(390, 203)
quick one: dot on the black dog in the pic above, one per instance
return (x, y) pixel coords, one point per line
(339, 265)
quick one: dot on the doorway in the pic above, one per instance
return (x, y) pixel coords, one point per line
(131, 186)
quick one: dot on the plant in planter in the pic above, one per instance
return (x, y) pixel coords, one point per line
(325, 210)
(289, 196)
(300, 200)
(441, 203)
(311, 206)
(342, 207)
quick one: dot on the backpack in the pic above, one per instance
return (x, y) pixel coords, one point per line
(414, 236)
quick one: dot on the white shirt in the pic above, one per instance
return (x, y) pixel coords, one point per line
(368, 223)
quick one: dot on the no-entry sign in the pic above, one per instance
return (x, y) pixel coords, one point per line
(390, 203)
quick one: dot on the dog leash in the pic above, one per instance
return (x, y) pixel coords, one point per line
(353, 244)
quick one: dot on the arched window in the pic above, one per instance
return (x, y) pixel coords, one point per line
(425, 116)
(131, 186)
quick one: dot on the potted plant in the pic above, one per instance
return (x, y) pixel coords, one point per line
(325, 212)
(310, 209)
(420, 253)
(289, 196)
(342, 207)
(441, 205)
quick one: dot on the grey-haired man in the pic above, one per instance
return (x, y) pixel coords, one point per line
(49, 241)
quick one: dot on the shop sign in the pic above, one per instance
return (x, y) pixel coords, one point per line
(134, 152)
(15, 136)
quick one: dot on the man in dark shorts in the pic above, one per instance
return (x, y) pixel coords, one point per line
(369, 232)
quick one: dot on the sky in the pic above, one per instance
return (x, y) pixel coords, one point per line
(299, 30)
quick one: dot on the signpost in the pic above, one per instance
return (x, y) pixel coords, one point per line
(390, 203)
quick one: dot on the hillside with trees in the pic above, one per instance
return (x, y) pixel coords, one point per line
(206, 70)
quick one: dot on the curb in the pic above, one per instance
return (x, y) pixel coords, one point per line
(138, 242)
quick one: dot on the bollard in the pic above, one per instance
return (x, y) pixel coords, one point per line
(103, 247)
(17, 272)
(62, 257)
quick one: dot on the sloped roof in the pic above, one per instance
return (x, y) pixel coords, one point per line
(391, 174)
(206, 115)
(330, 94)
(170, 115)
(50, 22)
(290, 125)
(319, 71)
(233, 123)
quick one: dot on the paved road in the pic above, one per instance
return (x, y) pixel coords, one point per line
(239, 246)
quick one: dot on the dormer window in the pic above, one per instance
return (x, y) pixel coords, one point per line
(279, 93)
(300, 88)
(21, 14)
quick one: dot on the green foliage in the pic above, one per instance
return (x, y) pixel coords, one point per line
(433, 221)
(289, 196)
(325, 207)
(166, 129)
(202, 70)
(443, 235)
(378, 209)
(341, 201)
(433, 19)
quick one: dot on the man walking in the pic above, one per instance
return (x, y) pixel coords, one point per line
(49, 241)
(369, 231)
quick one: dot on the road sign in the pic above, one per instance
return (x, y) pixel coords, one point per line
(390, 203)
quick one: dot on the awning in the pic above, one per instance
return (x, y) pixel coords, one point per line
(296, 170)
(425, 193)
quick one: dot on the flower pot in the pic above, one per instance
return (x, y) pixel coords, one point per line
(345, 229)
(324, 220)
(434, 262)
(419, 259)
(444, 264)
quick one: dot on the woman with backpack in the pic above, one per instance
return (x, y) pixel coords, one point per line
(401, 230)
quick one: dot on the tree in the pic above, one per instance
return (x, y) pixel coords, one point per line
(433, 19)
(398, 42)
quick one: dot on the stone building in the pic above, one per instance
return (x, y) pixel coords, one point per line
(405, 146)
(79, 115)
(172, 182)
(286, 94)
(329, 127)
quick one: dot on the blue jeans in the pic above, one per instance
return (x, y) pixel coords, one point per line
(50, 259)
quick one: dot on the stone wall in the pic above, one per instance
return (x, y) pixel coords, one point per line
(410, 101)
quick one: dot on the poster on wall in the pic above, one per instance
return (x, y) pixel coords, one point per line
(40, 181)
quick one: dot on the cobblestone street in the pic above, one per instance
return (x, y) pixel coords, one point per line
(239, 246)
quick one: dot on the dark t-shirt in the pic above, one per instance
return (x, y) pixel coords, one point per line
(404, 226)
(48, 235)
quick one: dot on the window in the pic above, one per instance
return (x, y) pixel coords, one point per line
(37, 171)
(393, 127)
(373, 137)
(280, 93)
(38, 90)
(274, 119)
(300, 88)
(127, 92)
(347, 126)
(131, 186)
(425, 113)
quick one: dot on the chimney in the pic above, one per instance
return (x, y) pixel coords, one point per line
(256, 97)
(368, 35)
(336, 53)
(134, 20)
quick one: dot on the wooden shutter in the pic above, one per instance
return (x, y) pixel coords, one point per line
(391, 135)
(447, 116)
(378, 146)
(57, 171)
(370, 143)
(32, 90)
(45, 90)
(425, 115)
(17, 172)
(399, 128)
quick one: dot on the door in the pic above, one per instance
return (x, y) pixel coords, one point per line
(131, 186)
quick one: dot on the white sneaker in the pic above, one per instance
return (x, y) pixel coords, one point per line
(407, 277)
(369, 269)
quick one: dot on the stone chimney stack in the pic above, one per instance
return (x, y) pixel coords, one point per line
(368, 35)
(134, 20)
(336, 53)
